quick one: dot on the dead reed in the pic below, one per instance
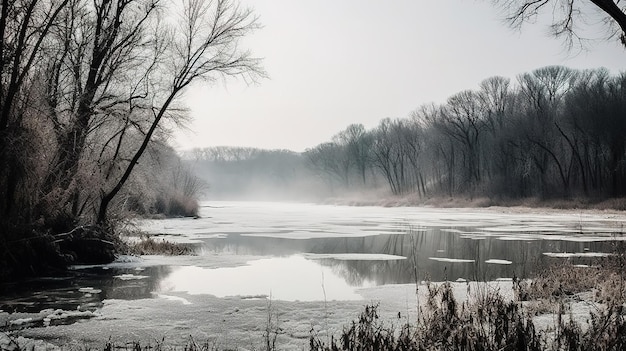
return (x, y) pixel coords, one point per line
(150, 246)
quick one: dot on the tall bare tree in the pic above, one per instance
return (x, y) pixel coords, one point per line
(24, 28)
(204, 46)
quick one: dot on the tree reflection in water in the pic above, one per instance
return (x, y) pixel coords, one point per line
(418, 246)
(82, 289)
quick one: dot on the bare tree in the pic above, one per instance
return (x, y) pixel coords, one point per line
(204, 47)
(463, 119)
(395, 148)
(330, 160)
(357, 142)
(494, 96)
(99, 60)
(24, 27)
(568, 15)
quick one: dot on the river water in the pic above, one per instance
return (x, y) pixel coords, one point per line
(315, 266)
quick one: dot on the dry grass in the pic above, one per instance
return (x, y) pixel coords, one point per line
(150, 246)
(604, 282)
(161, 345)
(486, 323)
(444, 324)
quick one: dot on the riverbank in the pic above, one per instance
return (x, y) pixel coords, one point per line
(443, 315)
(370, 252)
(526, 205)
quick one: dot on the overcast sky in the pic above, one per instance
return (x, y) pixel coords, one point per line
(332, 63)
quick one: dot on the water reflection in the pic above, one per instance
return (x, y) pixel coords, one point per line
(298, 243)
(463, 257)
(83, 289)
(288, 278)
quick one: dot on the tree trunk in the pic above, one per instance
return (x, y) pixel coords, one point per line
(108, 197)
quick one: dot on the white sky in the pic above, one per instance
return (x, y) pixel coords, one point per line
(332, 63)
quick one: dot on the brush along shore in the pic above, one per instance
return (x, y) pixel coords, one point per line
(564, 307)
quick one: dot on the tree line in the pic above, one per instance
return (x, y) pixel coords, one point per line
(246, 173)
(89, 92)
(552, 132)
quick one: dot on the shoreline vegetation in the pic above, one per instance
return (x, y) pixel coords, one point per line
(542, 313)
(564, 307)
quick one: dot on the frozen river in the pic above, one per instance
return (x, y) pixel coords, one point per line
(319, 264)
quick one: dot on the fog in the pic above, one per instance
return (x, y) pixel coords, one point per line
(235, 173)
(552, 133)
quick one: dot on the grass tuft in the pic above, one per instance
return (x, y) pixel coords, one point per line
(150, 246)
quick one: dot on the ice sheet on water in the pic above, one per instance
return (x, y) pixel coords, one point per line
(355, 257)
(498, 261)
(310, 221)
(130, 277)
(210, 260)
(89, 290)
(451, 260)
(576, 254)
(519, 238)
(174, 298)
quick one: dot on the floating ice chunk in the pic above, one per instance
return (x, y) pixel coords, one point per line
(89, 290)
(576, 254)
(518, 238)
(174, 298)
(20, 321)
(354, 257)
(130, 276)
(589, 239)
(316, 234)
(497, 261)
(451, 260)
(66, 317)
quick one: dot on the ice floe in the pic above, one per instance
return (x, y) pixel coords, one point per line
(354, 257)
(576, 254)
(130, 276)
(174, 298)
(451, 260)
(497, 261)
(89, 290)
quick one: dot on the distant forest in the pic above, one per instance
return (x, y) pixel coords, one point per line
(555, 132)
